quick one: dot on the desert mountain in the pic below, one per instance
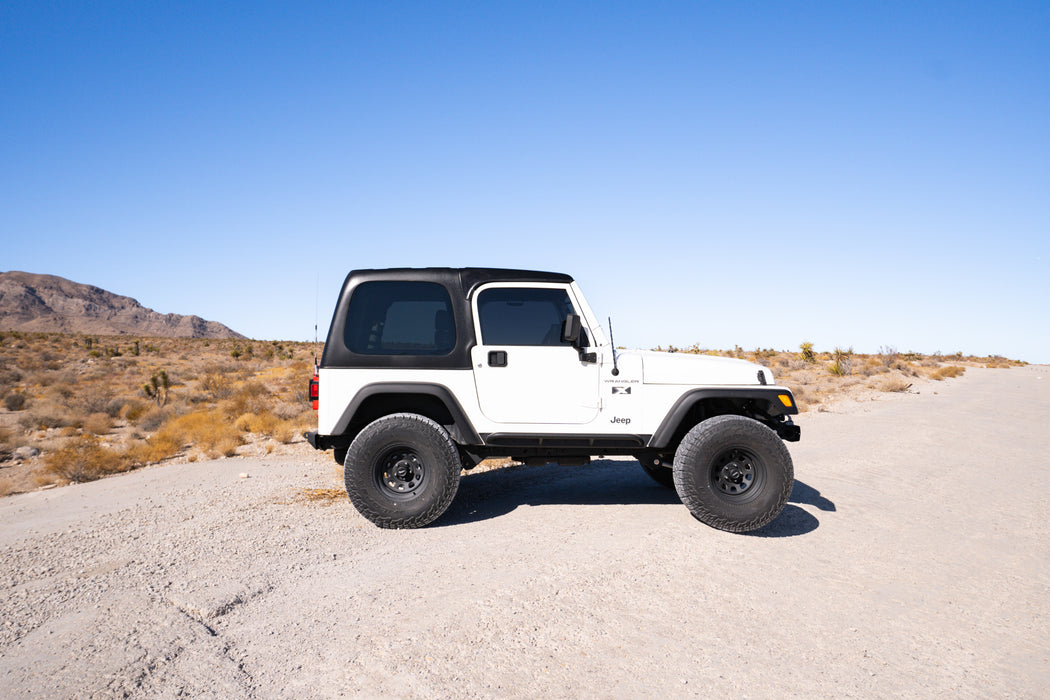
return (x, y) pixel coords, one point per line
(50, 304)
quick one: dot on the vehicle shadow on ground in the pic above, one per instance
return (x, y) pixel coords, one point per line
(491, 494)
(794, 520)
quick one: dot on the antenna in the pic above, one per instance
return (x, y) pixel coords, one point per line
(615, 369)
(317, 297)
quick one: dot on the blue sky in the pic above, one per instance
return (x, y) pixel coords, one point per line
(851, 174)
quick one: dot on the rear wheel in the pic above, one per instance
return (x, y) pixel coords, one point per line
(402, 471)
(733, 473)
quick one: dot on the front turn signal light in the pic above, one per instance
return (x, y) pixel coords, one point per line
(785, 399)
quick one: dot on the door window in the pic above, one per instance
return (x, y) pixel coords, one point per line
(519, 316)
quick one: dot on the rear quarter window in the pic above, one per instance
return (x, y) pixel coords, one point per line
(400, 318)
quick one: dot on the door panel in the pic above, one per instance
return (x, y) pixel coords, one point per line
(537, 384)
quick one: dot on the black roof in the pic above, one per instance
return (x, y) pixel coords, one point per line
(469, 277)
(460, 283)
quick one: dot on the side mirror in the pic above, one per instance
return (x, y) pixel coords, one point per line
(570, 330)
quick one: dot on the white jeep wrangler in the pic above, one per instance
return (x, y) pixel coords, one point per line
(426, 372)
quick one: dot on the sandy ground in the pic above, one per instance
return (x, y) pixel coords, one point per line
(913, 560)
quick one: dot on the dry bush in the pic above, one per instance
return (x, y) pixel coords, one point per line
(894, 384)
(286, 432)
(264, 423)
(153, 418)
(248, 397)
(15, 401)
(46, 415)
(133, 410)
(83, 459)
(948, 372)
(6, 487)
(155, 449)
(98, 424)
(93, 398)
(209, 431)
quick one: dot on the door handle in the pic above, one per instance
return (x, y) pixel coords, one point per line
(497, 358)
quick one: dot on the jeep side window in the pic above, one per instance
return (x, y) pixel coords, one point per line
(520, 316)
(400, 318)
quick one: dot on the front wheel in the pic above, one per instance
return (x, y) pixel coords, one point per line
(733, 473)
(402, 471)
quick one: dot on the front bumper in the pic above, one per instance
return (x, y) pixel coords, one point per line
(788, 431)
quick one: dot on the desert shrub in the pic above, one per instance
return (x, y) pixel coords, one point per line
(264, 423)
(947, 372)
(156, 448)
(153, 418)
(61, 391)
(249, 397)
(92, 398)
(98, 424)
(894, 384)
(83, 459)
(209, 431)
(15, 401)
(132, 410)
(6, 487)
(10, 375)
(285, 432)
(46, 415)
(216, 385)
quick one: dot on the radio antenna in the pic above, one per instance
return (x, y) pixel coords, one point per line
(615, 369)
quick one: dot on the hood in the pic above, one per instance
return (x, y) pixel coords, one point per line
(686, 368)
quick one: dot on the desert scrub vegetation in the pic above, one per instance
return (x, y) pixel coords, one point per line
(99, 405)
(819, 377)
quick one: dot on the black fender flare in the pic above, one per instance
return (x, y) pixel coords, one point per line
(462, 430)
(768, 395)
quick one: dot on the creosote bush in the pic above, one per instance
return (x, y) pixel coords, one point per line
(15, 401)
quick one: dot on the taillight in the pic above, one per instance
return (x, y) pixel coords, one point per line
(314, 391)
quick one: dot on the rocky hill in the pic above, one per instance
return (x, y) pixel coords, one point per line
(50, 304)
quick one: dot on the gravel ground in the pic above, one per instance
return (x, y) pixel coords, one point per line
(913, 560)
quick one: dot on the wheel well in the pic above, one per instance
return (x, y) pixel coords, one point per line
(710, 407)
(385, 404)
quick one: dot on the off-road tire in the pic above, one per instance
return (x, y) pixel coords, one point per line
(733, 473)
(402, 471)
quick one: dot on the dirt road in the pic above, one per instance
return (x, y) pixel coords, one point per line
(913, 559)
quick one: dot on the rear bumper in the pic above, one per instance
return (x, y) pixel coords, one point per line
(316, 441)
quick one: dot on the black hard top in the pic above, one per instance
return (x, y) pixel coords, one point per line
(468, 277)
(460, 283)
